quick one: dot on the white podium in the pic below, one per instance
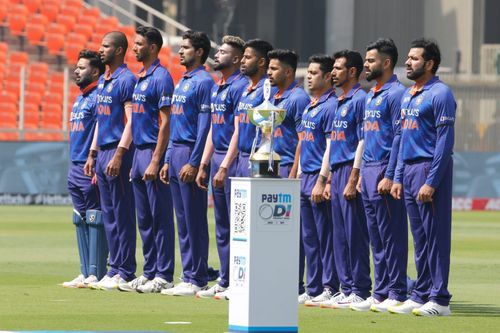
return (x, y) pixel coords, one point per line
(264, 255)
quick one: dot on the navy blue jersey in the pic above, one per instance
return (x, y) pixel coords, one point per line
(152, 92)
(82, 123)
(346, 126)
(112, 93)
(191, 97)
(294, 99)
(225, 100)
(382, 123)
(427, 128)
(314, 130)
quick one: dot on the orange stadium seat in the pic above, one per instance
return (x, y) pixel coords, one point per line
(57, 77)
(34, 33)
(7, 97)
(67, 21)
(33, 5)
(18, 57)
(73, 11)
(33, 97)
(12, 87)
(52, 98)
(17, 19)
(9, 136)
(8, 114)
(72, 51)
(55, 43)
(50, 11)
(35, 86)
(4, 47)
(3, 11)
(90, 15)
(52, 116)
(73, 3)
(39, 68)
(84, 29)
(31, 116)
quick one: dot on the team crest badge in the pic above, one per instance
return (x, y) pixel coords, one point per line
(100, 86)
(223, 95)
(419, 100)
(185, 88)
(92, 218)
(110, 87)
(252, 96)
(214, 94)
(368, 100)
(406, 99)
(378, 101)
(343, 112)
(144, 86)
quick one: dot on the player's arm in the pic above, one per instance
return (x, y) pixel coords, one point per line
(385, 185)
(113, 167)
(166, 163)
(190, 170)
(232, 152)
(320, 190)
(89, 167)
(163, 136)
(397, 184)
(299, 107)
(350, 191)
(202, 176)
(444, 111)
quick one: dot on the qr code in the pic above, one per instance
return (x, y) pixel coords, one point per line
(240, 217)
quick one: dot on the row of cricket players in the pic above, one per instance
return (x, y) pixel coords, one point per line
(141, 149)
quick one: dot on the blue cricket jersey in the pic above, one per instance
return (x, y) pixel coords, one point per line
(294, 99)
(346, 126)
(152, 92)
(82, 123)
(190, 105)
(314, 130)
(225, 100)
(251, 97)
(382, 123)
(112, 92)
(427, 128)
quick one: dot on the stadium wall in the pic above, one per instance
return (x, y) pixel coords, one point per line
(36, 173)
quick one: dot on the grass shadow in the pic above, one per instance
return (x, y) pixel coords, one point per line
(464, 309)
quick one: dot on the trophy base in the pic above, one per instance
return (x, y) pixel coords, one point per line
(260, 169)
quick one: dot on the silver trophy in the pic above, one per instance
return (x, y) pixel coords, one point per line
(266, 117)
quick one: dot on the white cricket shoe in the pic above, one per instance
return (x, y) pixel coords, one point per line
(303, 298)
(88, 280)
(170, 291)
(347, 301)
(329, 304)
(382, 306)
(407, 307)
(133, 285)
(112, 283)
(323, 297)
(189, 289)
(222, 295)
(155, 286)
(75, 282)
(97, 285)
(365, 305)
(211, 292)
(432, 309)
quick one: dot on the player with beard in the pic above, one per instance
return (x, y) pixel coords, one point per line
(150, 131)
(350, 235)
(222, 149)
(254, 66)
(291, 97)
(425, 172)
(92, 245)
(189, 126)
(113, 137)
(386, 216)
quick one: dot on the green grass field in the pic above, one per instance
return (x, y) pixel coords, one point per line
(38, 251)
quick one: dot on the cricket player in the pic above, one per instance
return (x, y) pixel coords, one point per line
(425, 175)
(291, 97)
(316, 222)
(350, 234)
(150, 132)
(253, 65)
(386, 216)
(221, 149)
(190, 123)
(113, 139)
(92, 245)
